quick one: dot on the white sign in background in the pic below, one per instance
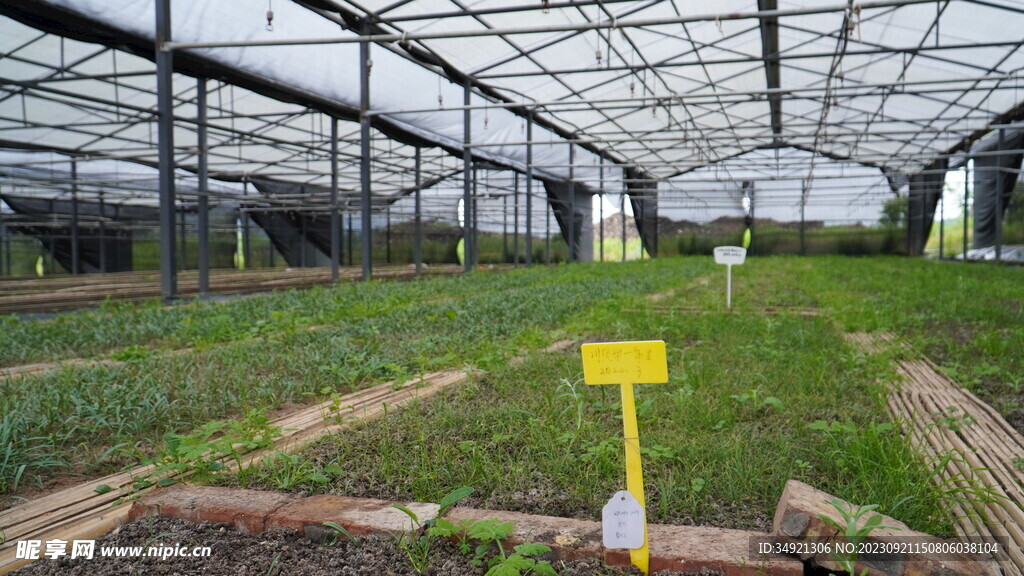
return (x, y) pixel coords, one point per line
(730, 256)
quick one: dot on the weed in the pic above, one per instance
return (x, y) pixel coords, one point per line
(492, 533)
(853, 530)
(756, 398)
(418, 543)
(199, 455)
(339, 530)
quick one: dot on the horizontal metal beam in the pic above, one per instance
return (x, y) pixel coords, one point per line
(568, 27)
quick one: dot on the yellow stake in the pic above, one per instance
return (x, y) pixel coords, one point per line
(634, 469)
(625, 364)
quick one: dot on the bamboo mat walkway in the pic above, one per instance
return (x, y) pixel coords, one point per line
(945, 422)
(79, 512)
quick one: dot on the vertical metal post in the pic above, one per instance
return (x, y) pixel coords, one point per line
(350, 238)
(600, 210)
(504, 229)
(204, 192)
(999, 198)
(622, 211)
(364, 161)
(966, 202)
(418, 218)
(529, 188)
(942, 225)
(103, 234)
(572, 203)
(547, 233)
(181, 234)
(803, 210)
(3, 242)
(76, 267)
(387, 237)
(335, 233)
(467, 159)
(246, 252)
(165, 131)
(515, 219)
(474, 227)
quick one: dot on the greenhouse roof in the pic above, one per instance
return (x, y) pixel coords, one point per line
(662, 86)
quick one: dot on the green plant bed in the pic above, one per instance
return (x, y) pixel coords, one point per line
(752, 402)
(256, 354)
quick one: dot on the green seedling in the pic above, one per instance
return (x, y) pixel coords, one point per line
(493, 533)
(339, 530)
(853, 530)
(418, 544)
(756, 398)
(200, 455)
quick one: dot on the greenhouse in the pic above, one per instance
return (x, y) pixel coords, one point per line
(553, 174)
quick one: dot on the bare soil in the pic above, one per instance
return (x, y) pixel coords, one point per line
(278, 552)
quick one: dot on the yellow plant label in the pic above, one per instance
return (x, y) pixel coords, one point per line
(625, 363)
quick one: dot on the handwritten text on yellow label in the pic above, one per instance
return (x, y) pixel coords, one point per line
(625, 363)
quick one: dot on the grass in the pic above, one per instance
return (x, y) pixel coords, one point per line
(256, 353)
(753, 401)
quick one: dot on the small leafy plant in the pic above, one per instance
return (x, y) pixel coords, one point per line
(853, 533)
(495, 532)
(755, 397)
(200, 454)
(418, 544)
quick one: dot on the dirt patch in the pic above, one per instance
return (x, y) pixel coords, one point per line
(278, 552)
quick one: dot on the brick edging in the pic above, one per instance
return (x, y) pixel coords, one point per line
(679, 548)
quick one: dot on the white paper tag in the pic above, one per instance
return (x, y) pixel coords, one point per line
(623, 522)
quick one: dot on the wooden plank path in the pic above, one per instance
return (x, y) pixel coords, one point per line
(81, 513)
(944, 421)
(67, 292)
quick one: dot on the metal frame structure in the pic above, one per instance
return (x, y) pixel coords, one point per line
(645, 85)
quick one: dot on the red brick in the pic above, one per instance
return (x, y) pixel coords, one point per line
(679, 548)
(247, 510)
(357, 515)
(694, 548)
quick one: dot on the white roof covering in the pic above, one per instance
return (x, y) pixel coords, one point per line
(669, 86)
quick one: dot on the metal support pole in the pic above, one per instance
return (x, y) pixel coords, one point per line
(515, 219)
(181, 234)
(165, 131)
(202, 161)
(418, 218)
(76, 267)
(102, 234)
(999, 198)
(600, 211)
(547, 234)
(529, 189)
(967, 191)
(246, 252)
(474, 227)
(4, 241)
(364, 160)
(387, 238)
(466, 172)
(572, 204)
(504, 228)
(622, 211)
(942, 225)
(350, 239)
(803, 213)
(335, 233)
